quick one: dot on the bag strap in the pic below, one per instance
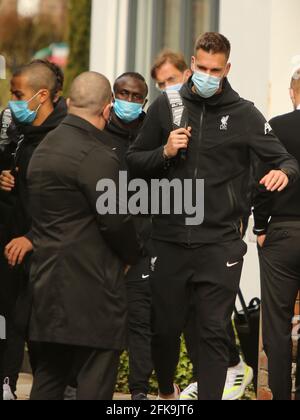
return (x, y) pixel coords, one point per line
(177, 108)
(244, 306)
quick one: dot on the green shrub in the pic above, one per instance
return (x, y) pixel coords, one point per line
(183, 377)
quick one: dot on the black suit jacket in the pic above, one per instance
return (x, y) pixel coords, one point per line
(77, 272)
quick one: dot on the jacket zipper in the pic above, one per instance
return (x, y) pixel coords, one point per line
(197, 160)
(233, 201)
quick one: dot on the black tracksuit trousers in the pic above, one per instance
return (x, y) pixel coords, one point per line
(208, 276)
(139, 320)
(280, 277)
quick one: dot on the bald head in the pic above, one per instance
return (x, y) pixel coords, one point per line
(90, 93)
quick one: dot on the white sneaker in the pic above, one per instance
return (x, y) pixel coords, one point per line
(7, 393)
(238, 379)
(176, 395)
(190, 393)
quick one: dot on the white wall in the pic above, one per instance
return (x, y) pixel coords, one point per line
(285, 43)
(109, 37)
(247, 25)
(265, 35)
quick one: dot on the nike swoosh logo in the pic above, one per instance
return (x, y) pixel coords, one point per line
(145, 277)
(232, 265)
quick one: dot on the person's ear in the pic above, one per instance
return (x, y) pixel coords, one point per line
(187, 74)
(292, 96)
(193, 64)
(107, 111)
(44, 96)
(228, 68)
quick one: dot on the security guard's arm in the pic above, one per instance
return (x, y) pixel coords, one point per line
(101, 166)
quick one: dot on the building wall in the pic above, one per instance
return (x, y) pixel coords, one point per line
(265, 36)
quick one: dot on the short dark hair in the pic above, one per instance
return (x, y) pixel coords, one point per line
(133, 75)
(60, 77)
(213, 42)
(40, 76)
(169, 56)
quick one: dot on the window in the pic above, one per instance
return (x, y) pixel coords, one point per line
(175, 24)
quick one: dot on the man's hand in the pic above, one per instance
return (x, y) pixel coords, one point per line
(275, 181)
(179, 139)
(261, 240)
(7, 181)
(16, 250)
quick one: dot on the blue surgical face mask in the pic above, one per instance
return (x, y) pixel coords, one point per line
(127, 111)
(205, 84)
(174, 88)
(21, 111)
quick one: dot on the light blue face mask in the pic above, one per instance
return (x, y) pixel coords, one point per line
(127, 111)
(21, 111)
(205, 84)
(174, 88)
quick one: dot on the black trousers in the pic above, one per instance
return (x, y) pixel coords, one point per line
(97, 377)
(280, 277)
(191, 343)
(209, 277)
(11, 349)
(139, 317)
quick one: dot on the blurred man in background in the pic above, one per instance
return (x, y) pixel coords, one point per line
(130, 98)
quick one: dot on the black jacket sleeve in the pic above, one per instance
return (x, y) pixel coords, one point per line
(268, 147)
(145, 157)
(118, 230)
(262, 208)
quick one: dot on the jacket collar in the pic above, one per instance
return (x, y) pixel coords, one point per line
(78, 122)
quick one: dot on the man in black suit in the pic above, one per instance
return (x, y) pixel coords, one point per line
(79, 312)
(279, 251)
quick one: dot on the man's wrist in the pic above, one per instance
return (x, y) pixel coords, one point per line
(165, 154)
(286, 172)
